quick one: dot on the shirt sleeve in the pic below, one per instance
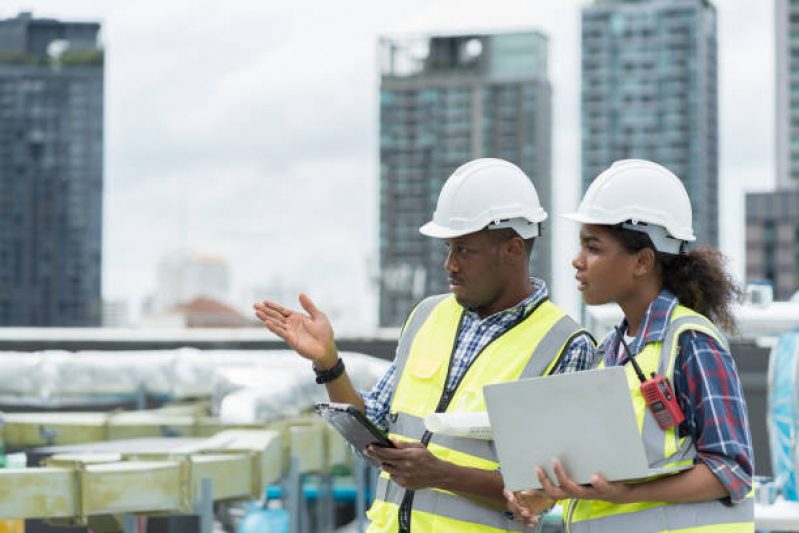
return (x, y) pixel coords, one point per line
(709, 391)
(377, 402)
(580, 355)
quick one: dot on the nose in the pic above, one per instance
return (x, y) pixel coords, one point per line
(450, 264)
(579, 261)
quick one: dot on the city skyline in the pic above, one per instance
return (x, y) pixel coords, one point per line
(263, 149)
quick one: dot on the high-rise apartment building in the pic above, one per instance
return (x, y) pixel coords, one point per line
(772, 218)
(786, 26)
(772, 240)
(445, 100)
(51, 172)
(649, 91)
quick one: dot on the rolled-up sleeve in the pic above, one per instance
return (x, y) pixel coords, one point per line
(377, 401)
(709, 391)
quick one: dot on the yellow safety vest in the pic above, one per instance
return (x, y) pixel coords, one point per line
(663, 449)
(533, 347)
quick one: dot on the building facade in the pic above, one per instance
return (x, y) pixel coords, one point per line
(445, 100)
(649, 91)
(786, 118)
(772, 240)
(51, 172)
(184, 275)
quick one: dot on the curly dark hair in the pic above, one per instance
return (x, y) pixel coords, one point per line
(697, 278)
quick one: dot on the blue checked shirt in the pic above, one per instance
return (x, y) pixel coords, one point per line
(709, 392)
(474, 335)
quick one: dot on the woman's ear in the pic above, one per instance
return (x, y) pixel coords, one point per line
(645, 262)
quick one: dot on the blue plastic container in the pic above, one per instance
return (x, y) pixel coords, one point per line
(783, 412)
(265, 520)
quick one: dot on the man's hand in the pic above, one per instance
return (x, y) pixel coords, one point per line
(309, 335)
(599, 489)
(526, 505)
(410, 464)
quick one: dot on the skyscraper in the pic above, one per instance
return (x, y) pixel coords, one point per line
(772, 240)
(51, 172)
(445, 100)
(649, 91)
(786, 26)
(772, 218)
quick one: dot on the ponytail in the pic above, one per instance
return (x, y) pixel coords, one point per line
(698, 278)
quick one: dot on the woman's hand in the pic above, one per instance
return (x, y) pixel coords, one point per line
(599, 488)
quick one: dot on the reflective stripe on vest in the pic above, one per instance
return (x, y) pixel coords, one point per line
(703, 517)
(663, 448)
(532, 347)
(445, 504)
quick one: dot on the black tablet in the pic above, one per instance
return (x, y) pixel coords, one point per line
(356, 429)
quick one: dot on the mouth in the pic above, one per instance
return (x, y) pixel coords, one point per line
(581, 283)
(455, 284)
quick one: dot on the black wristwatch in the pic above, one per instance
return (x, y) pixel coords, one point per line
(323, 376)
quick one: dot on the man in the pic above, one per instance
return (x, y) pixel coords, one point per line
(497, 325)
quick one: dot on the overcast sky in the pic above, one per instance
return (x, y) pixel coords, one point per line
(249, 130)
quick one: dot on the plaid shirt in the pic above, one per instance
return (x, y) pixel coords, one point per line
(709, 392)
(473, 336)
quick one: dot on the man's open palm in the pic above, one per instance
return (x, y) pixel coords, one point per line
(309, 335)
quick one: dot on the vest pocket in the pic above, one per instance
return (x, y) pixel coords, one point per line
(425, 367)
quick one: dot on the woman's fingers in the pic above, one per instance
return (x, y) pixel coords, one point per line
(551, 490)
(565, 482)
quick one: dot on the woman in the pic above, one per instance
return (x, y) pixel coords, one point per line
(636, 221)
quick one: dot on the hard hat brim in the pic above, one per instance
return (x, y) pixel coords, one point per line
(437, 231)
(582, 219)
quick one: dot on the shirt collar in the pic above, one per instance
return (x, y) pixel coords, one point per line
(653, 326)
(521, 309)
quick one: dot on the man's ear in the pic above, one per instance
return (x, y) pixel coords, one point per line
(645, 261)
(514, 248)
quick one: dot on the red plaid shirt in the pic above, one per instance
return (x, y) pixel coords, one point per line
(709, 392)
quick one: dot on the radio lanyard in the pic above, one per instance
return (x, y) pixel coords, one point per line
(656, 392)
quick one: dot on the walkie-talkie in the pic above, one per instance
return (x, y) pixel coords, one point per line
(656, 392)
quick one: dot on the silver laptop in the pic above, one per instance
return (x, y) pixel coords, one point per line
(585, 420)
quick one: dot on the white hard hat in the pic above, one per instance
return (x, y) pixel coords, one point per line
(642, 196)
(486, 193)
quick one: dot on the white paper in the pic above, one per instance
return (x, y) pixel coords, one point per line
(471, 425)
